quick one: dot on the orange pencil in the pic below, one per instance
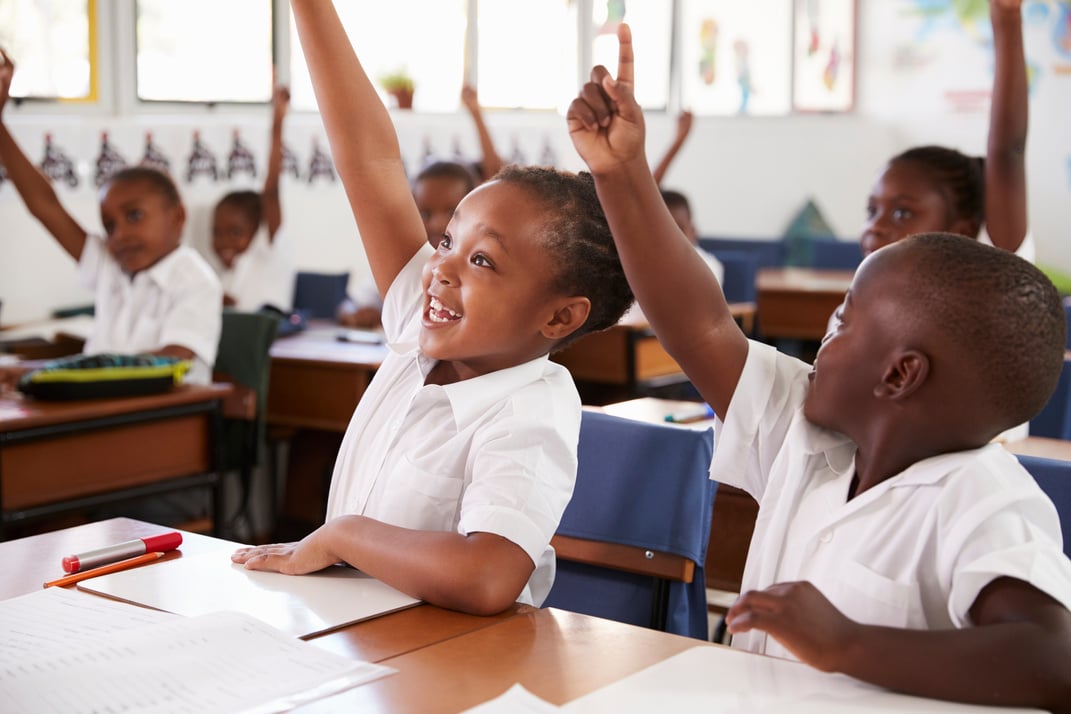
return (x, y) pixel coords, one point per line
(105, 569)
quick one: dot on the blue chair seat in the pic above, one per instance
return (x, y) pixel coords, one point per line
(1054, 477)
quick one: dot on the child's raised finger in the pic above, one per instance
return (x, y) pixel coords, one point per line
(625, 58)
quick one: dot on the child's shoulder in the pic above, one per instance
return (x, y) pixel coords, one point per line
(184, 268)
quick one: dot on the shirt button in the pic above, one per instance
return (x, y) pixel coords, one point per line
(826, 536)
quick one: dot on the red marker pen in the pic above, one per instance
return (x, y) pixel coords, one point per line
(121, 551)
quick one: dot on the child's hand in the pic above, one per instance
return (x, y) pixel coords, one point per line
(799, 617)
(684, 125)
(605, 122)
(469, 98)
(7, 72)
(280, 101)
(305, 556)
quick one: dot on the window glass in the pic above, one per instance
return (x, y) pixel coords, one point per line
(183, 48)
(651, 22)
(421, 39)
(49, 41)
(527, 53)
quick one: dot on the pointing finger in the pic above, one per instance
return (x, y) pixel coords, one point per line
(625, 59)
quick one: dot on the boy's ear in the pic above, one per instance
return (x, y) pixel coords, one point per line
(904, 375)
(567, 318)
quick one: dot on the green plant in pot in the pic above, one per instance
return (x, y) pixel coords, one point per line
(400, 86)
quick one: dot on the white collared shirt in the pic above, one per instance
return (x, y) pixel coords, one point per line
(177, 301)
(912, 552)
(262, 274)
(494, 454)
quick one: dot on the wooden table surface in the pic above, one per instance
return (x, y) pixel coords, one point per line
(796, 303)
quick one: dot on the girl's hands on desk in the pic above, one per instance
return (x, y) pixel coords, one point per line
(799, 617)
(306, 556)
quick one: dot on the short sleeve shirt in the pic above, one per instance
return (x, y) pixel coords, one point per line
(495, 453)
(176, 301)
(262, 275)
(912, 552)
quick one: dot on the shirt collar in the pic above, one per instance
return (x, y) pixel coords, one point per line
(160, 273)
(839, 450)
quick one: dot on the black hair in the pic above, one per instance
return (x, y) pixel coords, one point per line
(577, 233)
(676, 199)
(450, 170)
(248, 202)
(958, 177)
(1002, 311)
(157, 180)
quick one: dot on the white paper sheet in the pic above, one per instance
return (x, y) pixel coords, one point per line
(302, 605)
(515, 700)
(221, 662)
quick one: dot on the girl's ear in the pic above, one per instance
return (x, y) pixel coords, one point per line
(907, 372)
(567, 318)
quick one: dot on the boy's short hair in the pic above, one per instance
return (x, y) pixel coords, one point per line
(450, 170)
(157, 180)
(1001, 310)
(577, 233)
(676, 199)
(248, 202)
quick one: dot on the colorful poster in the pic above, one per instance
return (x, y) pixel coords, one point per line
(823, 77)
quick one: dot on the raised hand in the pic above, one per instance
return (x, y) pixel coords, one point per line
(605, 122)
(684, 125)
(280, 102)
(470, 99)
(799, 617)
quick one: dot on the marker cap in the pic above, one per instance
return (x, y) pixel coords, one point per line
(163, 542)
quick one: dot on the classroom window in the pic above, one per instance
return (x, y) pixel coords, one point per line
(51, 43)
(651, 22)
(182, 49)
(527, 53)
(422, 39)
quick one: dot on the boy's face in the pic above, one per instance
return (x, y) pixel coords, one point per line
(232, 232)
(683, 217)
(487, 286)
(904, 201)
(855, 353)
(141, 224)
(437, 197)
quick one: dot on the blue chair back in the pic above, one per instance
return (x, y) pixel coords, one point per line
(740, 270)
(319, 294)
(1054, 419)
(1067, 314)
(770, 252)
(647, 487)
(1054, 477)
(836, 254)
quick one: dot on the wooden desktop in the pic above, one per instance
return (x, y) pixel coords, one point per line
(796, 303)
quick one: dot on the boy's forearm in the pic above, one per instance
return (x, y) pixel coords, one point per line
(1010, 664)
(1005, 179)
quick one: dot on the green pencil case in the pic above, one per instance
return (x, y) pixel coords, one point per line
(102, 376)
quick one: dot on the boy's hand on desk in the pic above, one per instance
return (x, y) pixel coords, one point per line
(799, 617)
(305, 556)
(605, 122)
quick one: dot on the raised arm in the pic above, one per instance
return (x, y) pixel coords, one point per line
(490, 161)
(690, 318)
(36, 190)
(1005, 164)
(684, 127)
(273, 210)
(364, 144)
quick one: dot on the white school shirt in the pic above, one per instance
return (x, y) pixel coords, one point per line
(493, 454)
(912, 552)
(262, 274)
(175, 302)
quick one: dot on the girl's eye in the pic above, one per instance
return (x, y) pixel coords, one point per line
(444, 242)
(482, 261)
(871, 211)
(901, 214)
(134, 216)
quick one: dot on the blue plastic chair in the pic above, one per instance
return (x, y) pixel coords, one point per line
(1067, 314)
(741, 268)
(770, 252)
(319, 294)
(1054, 477)
(832, 254)
(633, 540)
(1054, 419)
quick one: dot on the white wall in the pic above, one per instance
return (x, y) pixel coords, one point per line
(745, 176)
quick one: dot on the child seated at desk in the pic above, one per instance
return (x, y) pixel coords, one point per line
(894, 543)
(246, 234)
(461, 456)
(152, 294)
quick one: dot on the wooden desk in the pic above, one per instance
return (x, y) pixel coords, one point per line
(316, 380)
(1041, 446)
(60, 457)
(796, 303)
(733, 520)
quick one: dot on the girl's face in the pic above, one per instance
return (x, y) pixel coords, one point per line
(904, 201)
(141, 224)
(232, 232)
(488, 300)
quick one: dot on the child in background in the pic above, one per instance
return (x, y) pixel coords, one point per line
(246, 237)
(461, 456)
(152, 294)
(490, 162)
(894, 543)
(933, 188)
